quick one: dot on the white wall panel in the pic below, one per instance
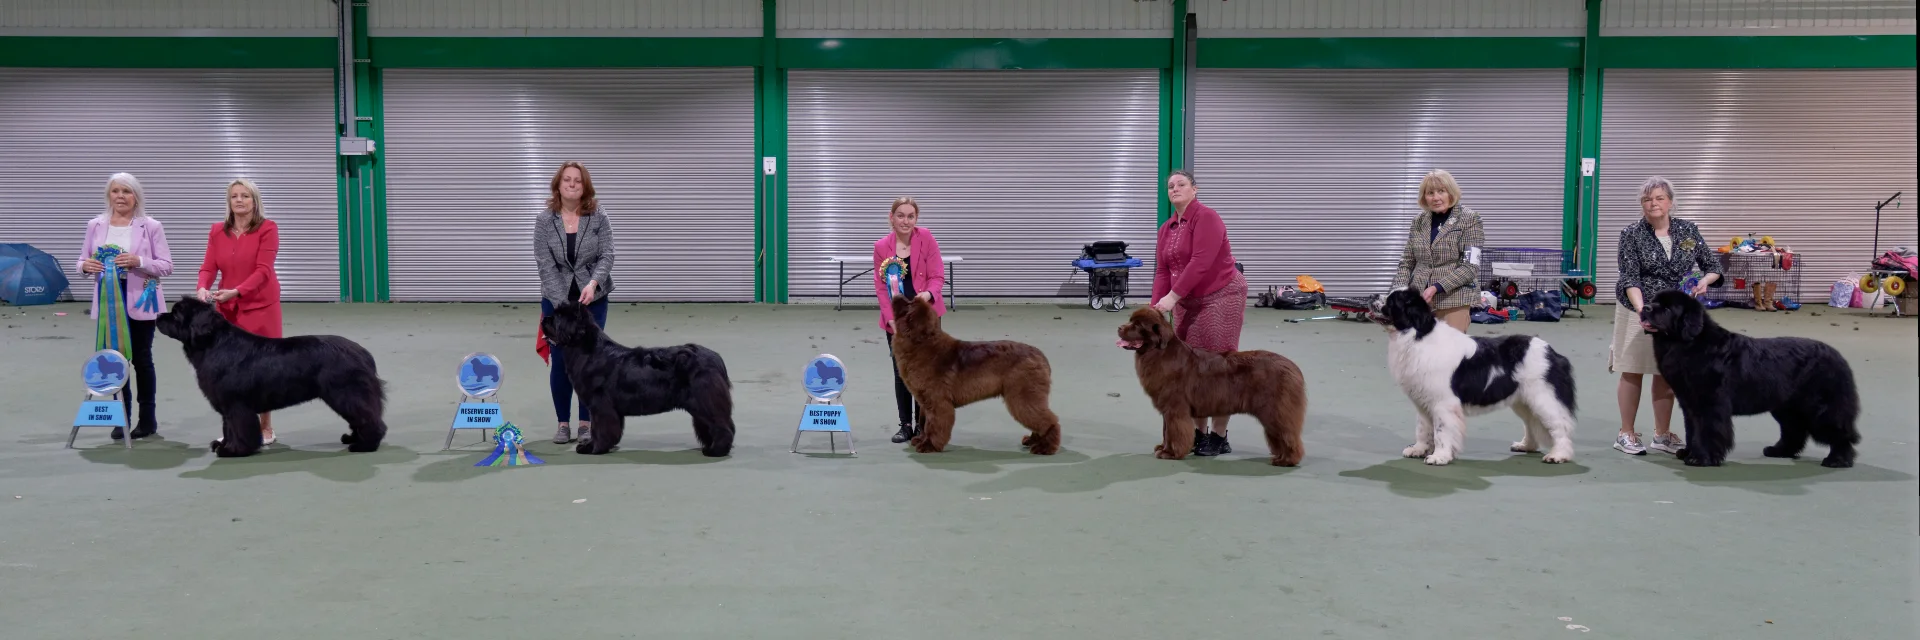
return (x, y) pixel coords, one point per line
(168, 17)
(1756, 17)
(1342, 18)
(1014, 171)
(184, 133)
(712, 18)
(1317, 172)
(975, 18)
(1798, 154)
(471, 155)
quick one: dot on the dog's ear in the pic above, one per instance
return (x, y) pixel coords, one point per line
(1693, 319)
(1154, 334)
(203, 324)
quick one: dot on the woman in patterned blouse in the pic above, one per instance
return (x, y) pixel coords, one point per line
(1656, 254)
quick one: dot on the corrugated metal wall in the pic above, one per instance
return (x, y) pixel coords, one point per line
(1014, 171)
(719, 18)
(1801, 155)
(108, 17)
(1282, 18)
(184, 134)
(963, 18)
(1755, 17)
(471, 152)
(1317, 172)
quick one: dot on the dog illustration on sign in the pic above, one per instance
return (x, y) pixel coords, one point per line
(825, 372)
(482, 371)
(107, 371)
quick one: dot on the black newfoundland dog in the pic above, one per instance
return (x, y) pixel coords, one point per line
(243, 375)
(1717, 374)
(615, 381)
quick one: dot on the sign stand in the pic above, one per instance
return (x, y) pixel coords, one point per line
(476, 413)
(824, 416)
(95, 412)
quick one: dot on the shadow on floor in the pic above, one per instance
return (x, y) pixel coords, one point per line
(971, 460)
(1777, 477)
(455, 465)
(147, 454)
(338, 465)
(1413, 478)
(1103, 472)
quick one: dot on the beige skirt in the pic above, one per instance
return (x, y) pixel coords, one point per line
(1632, 350)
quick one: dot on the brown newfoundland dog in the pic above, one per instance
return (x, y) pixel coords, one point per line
(1187, 383)
(944, 374)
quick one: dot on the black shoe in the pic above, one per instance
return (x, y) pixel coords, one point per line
(142, 431)
(1199, 440)
(1220, 446)
(906, 433)
(1207, 445)
(118, 433)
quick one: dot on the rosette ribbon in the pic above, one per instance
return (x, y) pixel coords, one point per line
(110, 330)
(892, 271)
(508, 450)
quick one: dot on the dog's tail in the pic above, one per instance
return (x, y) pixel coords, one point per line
(1560, 376)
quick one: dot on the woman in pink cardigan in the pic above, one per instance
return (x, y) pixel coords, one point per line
(143, 261)
(1195, 279)
(922, 276)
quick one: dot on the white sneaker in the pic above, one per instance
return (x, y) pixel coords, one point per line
(1629, 444)
(1670, 443)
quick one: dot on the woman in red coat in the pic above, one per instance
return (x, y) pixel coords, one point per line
(240, 251)
(1195, 278)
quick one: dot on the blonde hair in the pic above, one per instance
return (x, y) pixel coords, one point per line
(259, 209)
(132, 184)
(904, 200)
(1439, 180)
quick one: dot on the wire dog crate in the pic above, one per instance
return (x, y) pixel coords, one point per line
(1743, 271)
(1511, 271)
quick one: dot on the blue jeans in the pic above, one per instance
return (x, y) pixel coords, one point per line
(557, 376)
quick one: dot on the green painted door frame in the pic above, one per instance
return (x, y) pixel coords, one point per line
(770, 164)
(362, 180)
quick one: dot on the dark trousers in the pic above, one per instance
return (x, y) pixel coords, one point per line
(557, 379)
(902, 398)
(140, 339)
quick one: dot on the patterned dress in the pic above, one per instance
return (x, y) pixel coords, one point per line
(1212, 321)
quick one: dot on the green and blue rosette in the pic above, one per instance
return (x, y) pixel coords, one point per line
(110, 329)
(891, 272)
(508, 450)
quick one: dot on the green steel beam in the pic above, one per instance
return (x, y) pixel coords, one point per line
(973, 53)
(770, 141)
(1389, 53)
(1580, 238)
(545, 53)
(1756, 52)
(167, 53)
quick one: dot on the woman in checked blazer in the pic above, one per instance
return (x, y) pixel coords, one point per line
(1442, 258)
(573, 244)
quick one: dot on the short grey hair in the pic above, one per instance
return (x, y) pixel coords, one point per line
(1656, 182)
(131, 183)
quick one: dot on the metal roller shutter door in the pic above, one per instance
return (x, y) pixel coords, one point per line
(471, 153)
(184, 133)
(1317, 172)
(1014, 171)
(1801, 155)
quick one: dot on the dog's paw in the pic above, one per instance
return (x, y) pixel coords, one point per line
(1044, 449)
(346, 438)
(1026, 440)
(1836, 463)
(1700, 461)
(1417, 451)
(1557, 458)
(1777, 452)
(214, 446)
(1523, 447)
(362, 447)
(1168, 454)
(584, 448)
(1279, 461)
(921, 445)
(715, 452)
(1439, 459)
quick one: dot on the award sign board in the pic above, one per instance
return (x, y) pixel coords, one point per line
(479, 375)
(824, 377)
(105, 374)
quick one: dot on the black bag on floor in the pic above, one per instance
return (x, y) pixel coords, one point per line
(1292, 300)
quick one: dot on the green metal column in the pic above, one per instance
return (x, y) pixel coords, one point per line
(1580, 232)
(770, 141)
(1173, 107)
(362, 179)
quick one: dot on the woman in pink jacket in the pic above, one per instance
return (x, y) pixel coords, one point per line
(144, 259)
(922, 276)
(1195, 279)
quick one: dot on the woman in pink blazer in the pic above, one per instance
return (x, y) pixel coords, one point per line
(143, 261)
(924, 276)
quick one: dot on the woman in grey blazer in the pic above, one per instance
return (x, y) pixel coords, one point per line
(1442, 258)
(573, 244)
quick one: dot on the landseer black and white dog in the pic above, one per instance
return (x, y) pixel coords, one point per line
(1449, 375)
(1717, 374)
(616, 381)
(244, 375)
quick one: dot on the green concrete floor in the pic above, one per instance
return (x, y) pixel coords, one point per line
(1100, 541)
